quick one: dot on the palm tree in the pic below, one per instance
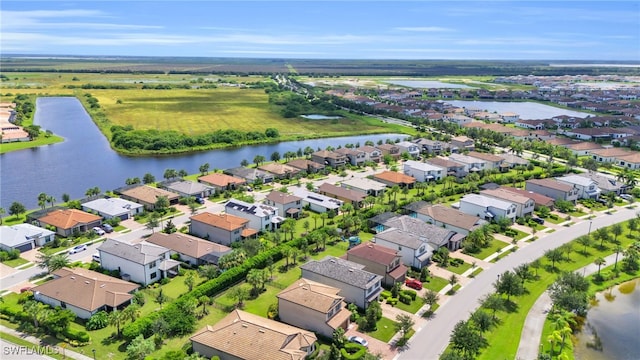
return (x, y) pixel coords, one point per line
(2, 212)
(131, 312)
(51, 200)
(599, 261)
(117, 318)
(619, 249)
(42, 200)
(37, 311)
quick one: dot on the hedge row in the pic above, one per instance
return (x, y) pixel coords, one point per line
(352, 351)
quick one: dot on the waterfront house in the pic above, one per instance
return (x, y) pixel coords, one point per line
(186, 188)
(24, 237)
(147, 195)
(355, 156)
(356, 198)
(110, 208)
(223, 229)
(317, 202)
(250, 175)
(222, 182)
(329, 158)
(69, 221)
(261, 217)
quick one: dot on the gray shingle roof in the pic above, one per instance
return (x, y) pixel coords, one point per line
(141, 253)
(433, 234)
(342, 270)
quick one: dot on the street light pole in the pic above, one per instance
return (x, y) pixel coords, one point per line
(590, 222)
(94, 354)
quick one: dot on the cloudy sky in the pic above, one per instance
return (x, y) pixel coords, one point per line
(550, 30)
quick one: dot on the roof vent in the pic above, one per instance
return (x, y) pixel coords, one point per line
(72, 277)
(261, 331)
(245, 326)
(86, 282)
(103, 285)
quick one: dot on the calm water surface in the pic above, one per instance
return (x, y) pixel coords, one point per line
(85, 160)
(526, 110)
(615, 320)
(428, 84)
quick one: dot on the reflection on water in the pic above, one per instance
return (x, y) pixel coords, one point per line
(612, 326)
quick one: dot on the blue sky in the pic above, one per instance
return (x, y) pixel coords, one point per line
(549, 30)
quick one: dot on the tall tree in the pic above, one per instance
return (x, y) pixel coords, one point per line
(599, 261)
(204, 169)
(117, 319)
(17, 209)
(467, 339)
(403, 324)
(148, 178)
(510, 284)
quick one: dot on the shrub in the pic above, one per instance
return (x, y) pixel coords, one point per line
(404, 298)
(412, 293)
(98, 321)
(385, 294)
(82, 337)
(392, 301)
(352, 351)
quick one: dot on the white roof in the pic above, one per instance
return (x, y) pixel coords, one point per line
(422, 166)
(318, 199)
(577, 180)
(466, 159)
(486, 201)
(112, 206)
(363, 183)
(16, 235)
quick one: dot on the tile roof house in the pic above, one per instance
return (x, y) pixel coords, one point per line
(251, 175)
(24, 237)
(365, 186)
(487, 208)
(356, 285)
(524, 204)
(609, 155)
(143, 263)
(310, 167)
(192, 250)
(539, 199)
(68, 221)
(471, 164)
(587, 188)
(84, 292)
(434, 235)
(345, 195)
(553, 189)
(371, 153)
(409, 147)
(380, 260)
(423, 171)
(392, 178)
(242, 335)
(355, 156)
(288, 205)
(261, 216)
(186, 188)
(512, 160)
(223, 229)
(462, 143)
(583, 148)
(147, 195)
(279, 171)
(114, 208)
(317, 202)
(389, 149)
(329, 158)
(433, 146)
(606, 183)
(444, 216)
(629, 161)
(222, 181)
(313, 306)
(493, 161)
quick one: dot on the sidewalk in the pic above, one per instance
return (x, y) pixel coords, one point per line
(66, 352)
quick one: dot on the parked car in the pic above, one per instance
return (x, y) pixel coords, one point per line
(25, 289)
(77, 249)
(199, 200)
(413, 283)
(538, 220)
(96, 257)
(359, 340)
(626, 197)
(98, 231)
(107, 228)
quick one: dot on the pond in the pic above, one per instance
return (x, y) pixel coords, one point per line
(612, 327)
(85, 159)
(526, 110)
(320, 117)
(428, 84)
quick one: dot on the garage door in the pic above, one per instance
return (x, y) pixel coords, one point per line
(25, 247)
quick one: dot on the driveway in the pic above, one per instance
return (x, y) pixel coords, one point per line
(376, 347)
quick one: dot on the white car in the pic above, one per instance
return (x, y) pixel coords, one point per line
(98, 231)
(77, 249)
(359, 340)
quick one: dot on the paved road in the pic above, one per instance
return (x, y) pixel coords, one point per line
(12, 351)
(429, 342)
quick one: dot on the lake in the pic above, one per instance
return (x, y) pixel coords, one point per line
(614, 318)
(428, 84)
(320, 117)
(85, 159)
(526, 110)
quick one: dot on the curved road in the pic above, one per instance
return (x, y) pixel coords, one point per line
(430, 341)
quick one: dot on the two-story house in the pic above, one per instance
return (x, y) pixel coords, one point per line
(471, 164)
(356, 285)
(492, 161)
(524, 205)
(353, 197)
(371, 153)
(191, 250)
(433, 147)
(390, 149)
(365, 186)
(409, 147)
(606, 183)
(355, 156)
(308, 166)
(414, 251)
(261, 217)
(223, 229)
(329, 158)
(143, 263)
(423, 171)
(444, 216)
(379, 260)
(587, 188)
(279, 171)
(288, 205)
(313, 306)
(553, 189)
(317, 202)
(462, 143)
(452, 168)
(487, 208)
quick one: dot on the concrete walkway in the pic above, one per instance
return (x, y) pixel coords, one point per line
(534, 323)
(66, 352)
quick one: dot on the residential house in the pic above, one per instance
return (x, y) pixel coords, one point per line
(288, 205)
(433, 147)
(279, 171)
(436, 236)
(365, 186)
(524, 204)
(487, 208)
(222, 182)
(379, 260)
(583, 148)
(444, 216)
(308, 166)
(553, 189)
(371, 153)
(462, 143)
(329, 158)
(609, 155)
(250, 175)
(147, 195)
(423, 171)
(143, 263)
(317, 202)
(606, 183)
(392, 178)
(355, 156)
(356, 285)
(414, 251)
(110, 208)
(313, 306)
(511, 161)
(68, 221)
(587, 188)
(261, 217)
(452, 168)
(409, 147)
(84, 292)
(630, 161)
(242, 335)
(24, 237)
(492, 161)
(186, 188)
(509, 117)
(192, 250)
(458, 119)
(390, 149)
(471, 164)
(353, 197)
(223, 229)
(538, 199)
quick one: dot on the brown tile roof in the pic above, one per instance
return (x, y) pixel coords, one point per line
(506, 195)
(223, 221)
(561, 141)
(187, 244)
(584, 146)
(86, 289)
(311, 294)
(251, 337)
(278, 169)
(221, 180)
(279, 197)
(373, 252)
(341, 192)
(395, 177)
(440, 161)
(69, 218)
(149, 194)
(248, 232)
(551, 183)
(611, 152)
(634, 158)
(485, 156)
(450, 216)
(539, 199)
(304, 164)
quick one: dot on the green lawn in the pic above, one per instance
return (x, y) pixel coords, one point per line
(476, 272)
(460, 269)
(494, 246)
(435, 283)
(44, 349)
(413, 307)
(555, 221)
(21, 145)
(503, 254)
(15, 262)
(385, 331)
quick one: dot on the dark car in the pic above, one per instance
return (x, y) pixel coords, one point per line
(200, 200)
(538, 220)
(107, 228)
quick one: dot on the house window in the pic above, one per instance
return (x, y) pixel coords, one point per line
(152, 265)
(154, 275)
(399, 247)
